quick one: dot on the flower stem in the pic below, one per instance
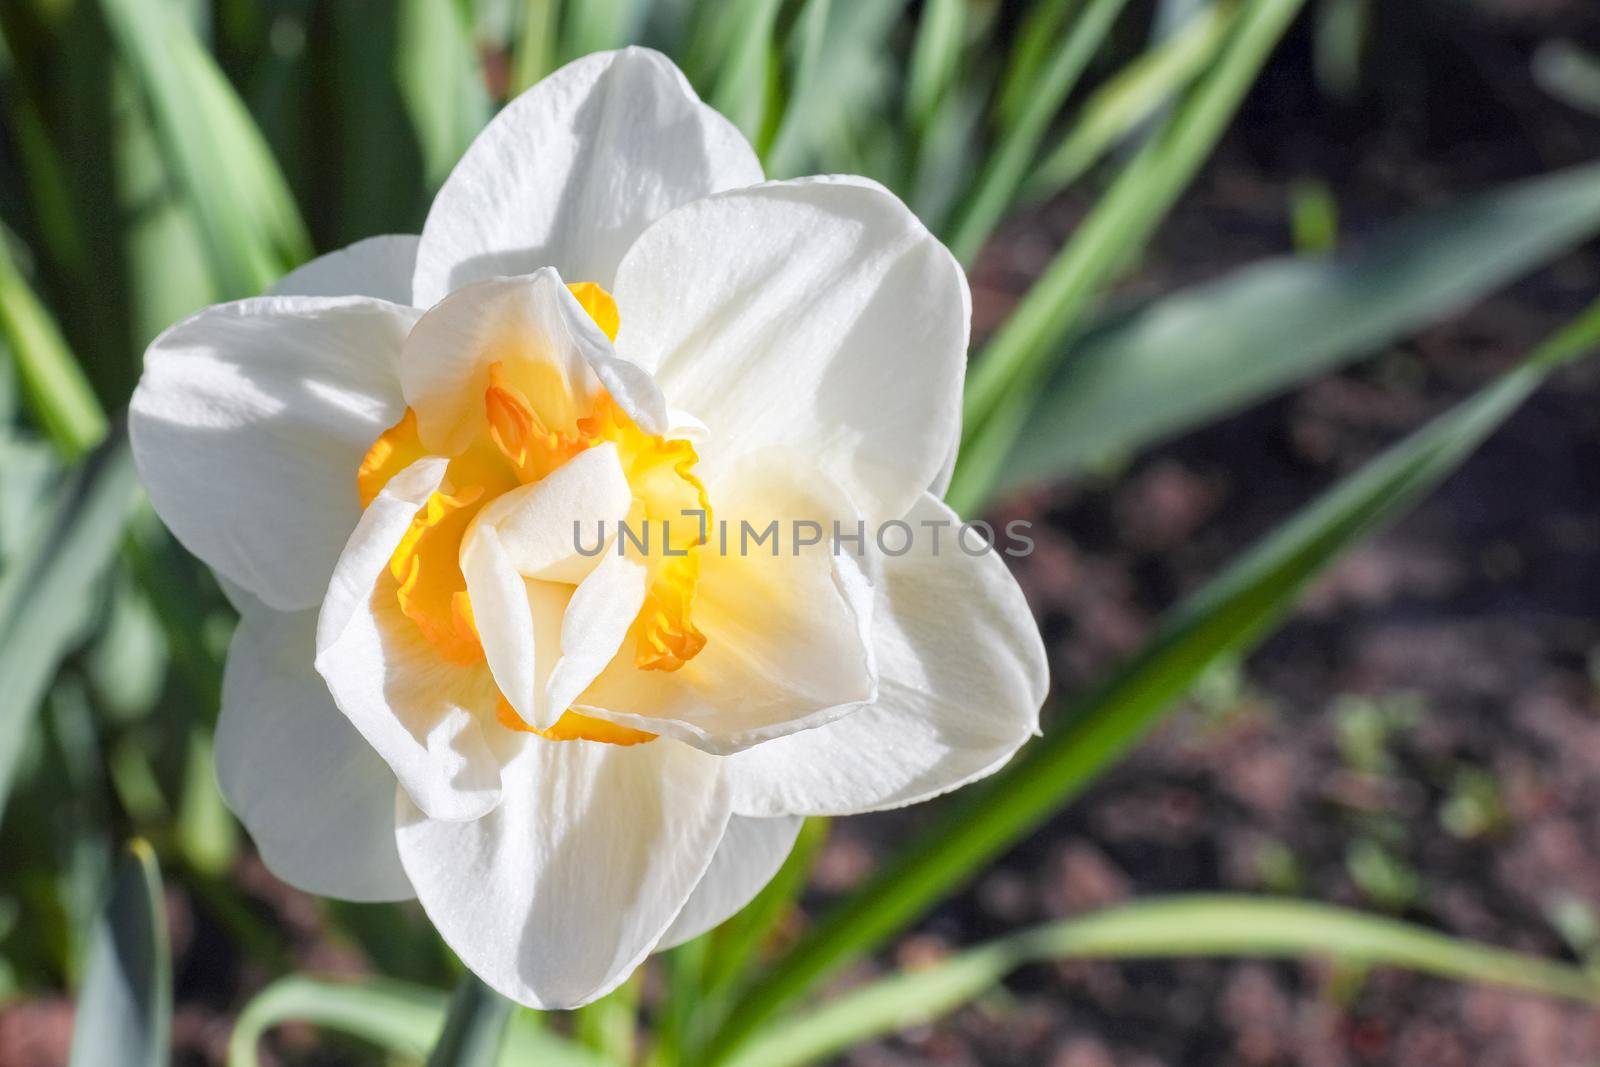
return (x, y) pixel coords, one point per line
(475, 1028)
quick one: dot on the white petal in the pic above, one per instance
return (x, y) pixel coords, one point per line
(379, 267)
(820, 315)
(750, 854)
(941, 481)
(543, 525)
(503, 619)
(555, 897)
(432, 720)
(787, 635)
(573, 169)
(563, 637)
(962, 674)
(250, 423)
(594, 624)
(316, 798)
(537, 329)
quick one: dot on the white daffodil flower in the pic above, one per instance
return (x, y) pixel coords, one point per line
(456, 677)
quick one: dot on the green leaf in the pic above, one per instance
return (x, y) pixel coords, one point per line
(207, 834)
(441, 80)
(737, 943)
(609, 1025)
(1016, 361)
(704, 975)
(1568, 72)
(1223, 619)
(1159, 928)
(1339, 40)
(997, 185)
(125, 1004)
(839, 78)
(741, 88)
(535, 52)
(1192, 357)
(596, 25)
(168, 268)
(252, 229)
(402, 1018)
(474, 1028)
(935, 58)
(57, 391)
(1044, 25)
(46, 591)
(1132, 96)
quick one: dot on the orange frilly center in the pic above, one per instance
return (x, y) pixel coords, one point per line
(519, 442)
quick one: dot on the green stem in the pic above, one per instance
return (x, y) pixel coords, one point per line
(474, 1028)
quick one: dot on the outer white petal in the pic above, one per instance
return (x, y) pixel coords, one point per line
(750, 854)
(573, 169)
(555, 897)
(788, 636)
(433, 721)
(534, 326)
(248, 427)
(962, 674)
(543, 525)
(316, 798)
(379, 267)
(815, 314)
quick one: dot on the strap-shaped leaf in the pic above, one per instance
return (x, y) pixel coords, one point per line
(248, 218)
(45, 590)
(1016, 362)
(1196, 355)
(403, 1018)
(474, 1027)
(125, 1004)
(1161, 928)
(57, 391)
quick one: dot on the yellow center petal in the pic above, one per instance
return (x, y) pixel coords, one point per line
(516, 445)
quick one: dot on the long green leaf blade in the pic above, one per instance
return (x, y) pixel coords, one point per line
(125, 1005)
(1015, 361)
(441, 81)
(58, 393)
(935, 58)
(741, 90)
(997, 185)
(402, 1018)
(534, 55)
(1224, 618)
(474, 1028)
(1194, 356)
(1133, 96)
(252, 229)
(45, 591)
(839, 48)
(1159, 928)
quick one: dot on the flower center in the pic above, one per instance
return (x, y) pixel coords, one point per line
(515, 445)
